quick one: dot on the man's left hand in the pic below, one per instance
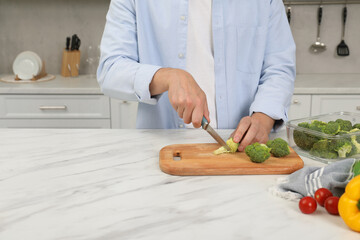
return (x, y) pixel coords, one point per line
(251, 129)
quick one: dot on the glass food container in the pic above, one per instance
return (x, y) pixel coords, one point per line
(315, 138)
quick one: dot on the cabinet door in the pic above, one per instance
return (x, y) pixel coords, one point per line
(300, 106)
(323, 104)
(123, 113)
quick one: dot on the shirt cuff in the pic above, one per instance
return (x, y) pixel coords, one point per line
(143, 78)
(278, 113)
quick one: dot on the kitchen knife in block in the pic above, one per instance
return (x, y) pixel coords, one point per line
(70, 63)
(199, 159)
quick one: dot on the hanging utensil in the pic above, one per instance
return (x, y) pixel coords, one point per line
(318, 46)
(342, 48)
(288, 13)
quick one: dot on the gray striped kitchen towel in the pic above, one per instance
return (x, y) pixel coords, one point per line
(307, 180)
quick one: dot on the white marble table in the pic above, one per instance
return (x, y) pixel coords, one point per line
(106, 184)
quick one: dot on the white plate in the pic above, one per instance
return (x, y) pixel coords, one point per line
(27, 65)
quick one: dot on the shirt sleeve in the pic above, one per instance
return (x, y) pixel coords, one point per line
(278, 73)
(120, 75)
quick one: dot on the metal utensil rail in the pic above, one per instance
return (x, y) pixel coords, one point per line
(309, 2)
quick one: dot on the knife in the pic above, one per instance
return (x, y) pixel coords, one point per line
(205, 125)
(67, 44)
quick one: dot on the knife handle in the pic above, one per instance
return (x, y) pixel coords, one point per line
(204, 123)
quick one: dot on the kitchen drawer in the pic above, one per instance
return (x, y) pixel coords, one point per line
(54, 106)
(55, 123)
(322, 104)
(300, 106)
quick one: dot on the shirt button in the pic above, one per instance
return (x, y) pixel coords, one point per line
(181, 55)
(183, 18)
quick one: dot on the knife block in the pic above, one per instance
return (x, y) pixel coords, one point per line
(70, 63)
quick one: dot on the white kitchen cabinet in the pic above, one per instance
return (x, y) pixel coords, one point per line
(123, 114)
(300, 106)
(54, 111)
(323, 104)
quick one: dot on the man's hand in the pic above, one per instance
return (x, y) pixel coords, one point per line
(251, 129)
(185, 95)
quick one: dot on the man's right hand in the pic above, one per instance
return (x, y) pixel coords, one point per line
(185, 95)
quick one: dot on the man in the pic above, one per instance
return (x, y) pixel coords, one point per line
(232, 61)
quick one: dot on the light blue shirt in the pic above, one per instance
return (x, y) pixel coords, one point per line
(254, 54)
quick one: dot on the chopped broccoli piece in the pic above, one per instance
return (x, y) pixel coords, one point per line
(357, 125)
(355, 143)
(257, 152)
(321, 149)
(317, 125)
(353, 150)
(233, 147)
(304, 140)
(279, 147)
(332, 128)
(304, 124)
(342, 146)
(345, 125)
(357, 136)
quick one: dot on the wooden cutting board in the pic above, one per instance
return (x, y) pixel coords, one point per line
(198, 159)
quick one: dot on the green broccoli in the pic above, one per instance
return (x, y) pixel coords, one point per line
(342, 146)
(304, 140)
(279, 147)
(257, 152)
(345, 125)
(317, 125)
(355, 139)
(357, 125)
(233, 147)
(321, 149)
(332, 128)
(353, 150)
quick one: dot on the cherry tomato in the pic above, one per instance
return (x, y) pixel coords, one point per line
(321, 195)
(331, 205)
(307, 205)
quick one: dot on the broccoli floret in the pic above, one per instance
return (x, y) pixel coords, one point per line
(353, 150)
(342, 146)
(257, 152)
(233, 147)
(321, 149)
(332, 128)
(357, 125)
(304, 124)
(357, 136)
(304, 140)
(345, 125)
(279, 147)
(317, 125)
(355, 140)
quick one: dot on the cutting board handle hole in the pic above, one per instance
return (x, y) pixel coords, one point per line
(177, 156)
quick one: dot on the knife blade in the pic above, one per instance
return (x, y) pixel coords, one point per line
(205, 125)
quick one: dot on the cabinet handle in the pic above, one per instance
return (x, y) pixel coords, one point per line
(358, 108)
(52, 107)
(125, 102)
(296, 101)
